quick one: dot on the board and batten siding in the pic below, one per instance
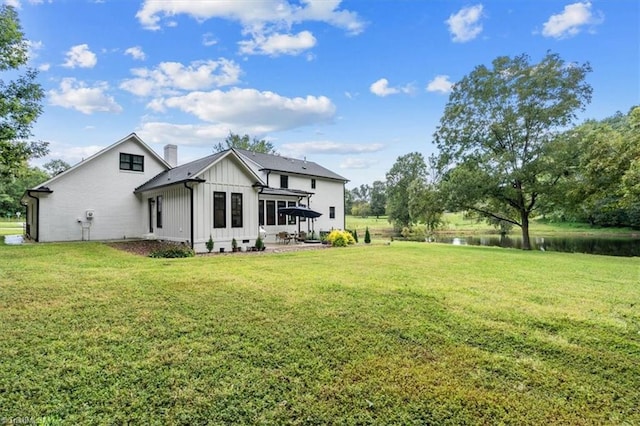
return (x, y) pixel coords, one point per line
(101, 186)
(175, 214)
(226, 176)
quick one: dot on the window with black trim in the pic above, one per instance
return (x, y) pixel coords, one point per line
(292, 219)
(261, 212)
(313, 184)
(159, 211)
(332, 212)
(284, 181)
(131, 162)
(282, 218)
(271, 212)
(236, 210)
(219, 210)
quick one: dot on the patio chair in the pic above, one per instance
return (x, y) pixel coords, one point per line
(301, 237)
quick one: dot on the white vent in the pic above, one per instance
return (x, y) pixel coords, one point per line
(90, 214)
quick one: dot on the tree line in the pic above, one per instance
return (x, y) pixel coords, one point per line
(509, 150)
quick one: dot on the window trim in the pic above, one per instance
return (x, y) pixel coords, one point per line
(332, 212)
(313, 184)
(219, 205)
(236, 210)
(282, 218)
(284, 181)
(128, 161)
(159, 212)
(271, 220)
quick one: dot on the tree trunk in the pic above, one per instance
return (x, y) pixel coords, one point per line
(526, 242)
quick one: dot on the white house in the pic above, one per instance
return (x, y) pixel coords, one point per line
(129, 191)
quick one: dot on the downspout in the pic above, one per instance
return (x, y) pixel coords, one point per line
(186, 185)
(37, 215)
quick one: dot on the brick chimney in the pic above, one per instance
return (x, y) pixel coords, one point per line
(171, 154)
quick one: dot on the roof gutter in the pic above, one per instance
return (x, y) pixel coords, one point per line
(28, 194)
(192, 216)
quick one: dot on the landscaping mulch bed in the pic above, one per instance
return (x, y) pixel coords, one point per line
(146, 247)
(141, 247)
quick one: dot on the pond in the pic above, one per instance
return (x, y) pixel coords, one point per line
(609, 246)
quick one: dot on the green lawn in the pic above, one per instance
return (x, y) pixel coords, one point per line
(405, 333)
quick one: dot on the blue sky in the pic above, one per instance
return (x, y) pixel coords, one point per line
(351, 85)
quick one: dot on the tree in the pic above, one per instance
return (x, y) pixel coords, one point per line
(378, 198)
(496, 137)
(19, 99)
(405, 170)
(245, 142)
(425, 205)
(55, 167)
(12, 189)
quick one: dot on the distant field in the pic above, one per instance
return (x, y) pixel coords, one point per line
(404, 333)
(11, 228)
(456, 223)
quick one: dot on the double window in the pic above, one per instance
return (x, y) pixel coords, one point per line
(131, 162)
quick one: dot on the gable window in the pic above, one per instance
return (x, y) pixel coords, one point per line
(292, 219)
(131, 162)
(219, 210)
(282, 218)
(313, 184)
(261, 212)
(271, 212)
(159, 211)
(236, 210)
(284, 181)
(332, 212)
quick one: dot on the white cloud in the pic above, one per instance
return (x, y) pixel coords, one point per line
(382, 88)
(253, 14)
(13, 3)
(168, 77)
(357, 163)
(72, 154)
(208, 40)
(278, 44)
(44, 67)
(80, 56)
(264, 111)
(77, 95)
(136, 53)
(465, 25)
(441, 84)
(569, 22)
(327, 147)
(188, 134)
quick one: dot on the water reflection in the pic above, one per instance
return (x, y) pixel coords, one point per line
(605, 246)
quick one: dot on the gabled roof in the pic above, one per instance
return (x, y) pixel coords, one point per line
(102, 151)
(190, 172)
(279, 163)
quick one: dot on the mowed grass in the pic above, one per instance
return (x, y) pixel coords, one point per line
(11, 228)
(405, 333)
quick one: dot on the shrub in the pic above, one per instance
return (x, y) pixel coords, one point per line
(355, 235)
(259, 244)
(339, 238)
(173, 251)
(367, 236)
(210, 244)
